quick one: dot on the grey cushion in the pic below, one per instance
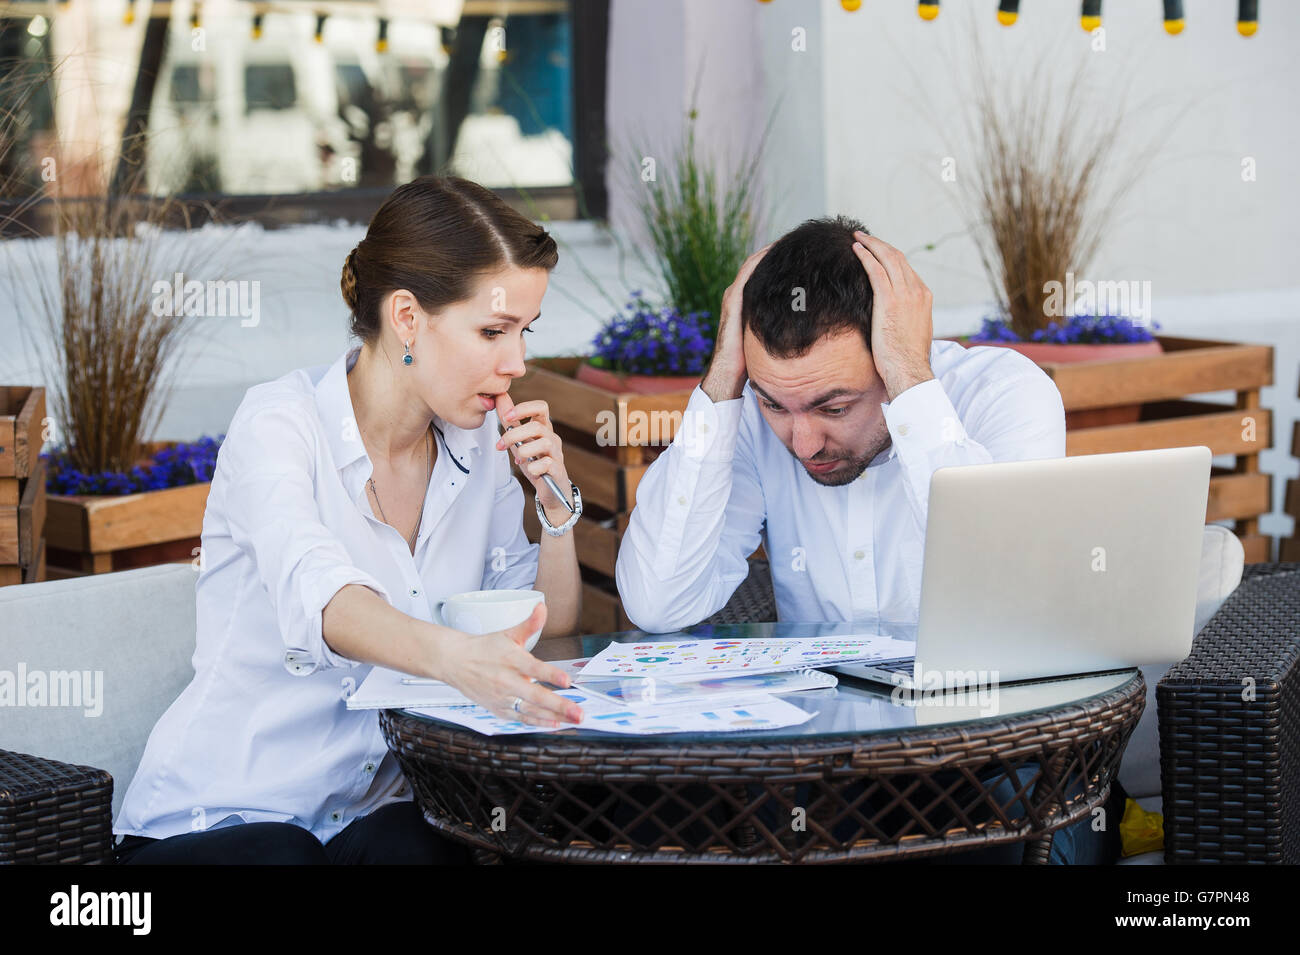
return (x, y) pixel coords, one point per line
(133, 630)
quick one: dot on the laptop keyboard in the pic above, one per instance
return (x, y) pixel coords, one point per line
(901, 665)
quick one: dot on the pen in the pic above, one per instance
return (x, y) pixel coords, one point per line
(550, 482)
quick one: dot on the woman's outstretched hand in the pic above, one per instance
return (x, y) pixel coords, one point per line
(493, 669)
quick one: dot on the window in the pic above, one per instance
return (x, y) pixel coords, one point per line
(509, 93)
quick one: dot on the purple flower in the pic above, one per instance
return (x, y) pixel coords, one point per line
(171, 467)
(653, 342)
(1075, 329)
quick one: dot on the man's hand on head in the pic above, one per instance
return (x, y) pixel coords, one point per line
(902, 325)
(726, 377)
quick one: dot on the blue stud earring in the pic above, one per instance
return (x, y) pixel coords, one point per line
(408, 358)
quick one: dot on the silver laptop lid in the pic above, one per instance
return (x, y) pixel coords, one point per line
(1066, 565)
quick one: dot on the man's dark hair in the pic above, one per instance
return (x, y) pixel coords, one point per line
(809, 284)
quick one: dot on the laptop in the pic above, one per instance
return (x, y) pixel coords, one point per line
(1056, 567)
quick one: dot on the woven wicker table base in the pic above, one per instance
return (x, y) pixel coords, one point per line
(743, 799)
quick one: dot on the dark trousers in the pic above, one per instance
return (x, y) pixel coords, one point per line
(395, 834)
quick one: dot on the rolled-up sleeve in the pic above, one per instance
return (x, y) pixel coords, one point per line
(267, 467)
(511, 560)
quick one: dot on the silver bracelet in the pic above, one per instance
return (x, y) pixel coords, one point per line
(573, 519)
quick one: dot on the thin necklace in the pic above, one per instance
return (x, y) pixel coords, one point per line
(428, 467)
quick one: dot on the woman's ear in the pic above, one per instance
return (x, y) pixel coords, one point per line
(403, 313)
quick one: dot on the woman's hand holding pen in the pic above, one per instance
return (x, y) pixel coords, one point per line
(539, 441)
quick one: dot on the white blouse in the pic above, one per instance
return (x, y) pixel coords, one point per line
(262, 733)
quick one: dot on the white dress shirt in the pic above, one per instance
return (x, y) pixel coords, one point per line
(849, 553)
(263, 732)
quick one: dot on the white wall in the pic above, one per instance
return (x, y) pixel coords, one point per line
(870, 109)
(1191, 224)
(732, 51)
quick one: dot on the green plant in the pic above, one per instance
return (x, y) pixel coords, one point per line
(700, 230)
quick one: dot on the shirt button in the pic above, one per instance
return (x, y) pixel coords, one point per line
(682, 501)
(335, 816)
(415, 592)
(903, 429)
(704, 428)
(858, 555)
(402, 790)
(370, 767)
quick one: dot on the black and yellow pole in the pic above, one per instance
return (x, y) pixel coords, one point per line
(381, 44)
(319, 35)
(1008, 12)
(194, 16)
(1173, 17)
(1090, 18)
(1247, 17)
(927, 9)
(258, 18)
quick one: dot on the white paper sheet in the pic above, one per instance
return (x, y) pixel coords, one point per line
(385, 689)
(603, 716)
(686, 660)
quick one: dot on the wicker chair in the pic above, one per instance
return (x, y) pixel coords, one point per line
(753, 601)
(1230, 729)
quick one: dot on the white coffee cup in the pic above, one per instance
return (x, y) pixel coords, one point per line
(487, 611)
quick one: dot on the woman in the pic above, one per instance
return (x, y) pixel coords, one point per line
(345, 502)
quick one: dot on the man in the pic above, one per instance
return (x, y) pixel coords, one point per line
(824, 413)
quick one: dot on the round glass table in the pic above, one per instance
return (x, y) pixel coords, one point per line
(877, 773)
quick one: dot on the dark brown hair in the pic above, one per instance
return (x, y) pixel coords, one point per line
(817, 261)
(434, 237)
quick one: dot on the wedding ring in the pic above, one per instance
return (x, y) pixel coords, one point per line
(517, 703)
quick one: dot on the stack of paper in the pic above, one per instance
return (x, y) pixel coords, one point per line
(693, 659)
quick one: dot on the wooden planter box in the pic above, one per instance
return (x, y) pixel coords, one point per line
(1160, 384)
(95, 534)
(1289, 548)
(22, 485)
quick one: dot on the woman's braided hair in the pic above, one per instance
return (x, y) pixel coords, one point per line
(348, 283)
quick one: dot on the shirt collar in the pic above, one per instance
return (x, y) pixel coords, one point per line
(334, 403)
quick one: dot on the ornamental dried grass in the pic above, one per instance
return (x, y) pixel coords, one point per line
(1051, 169)
(109, 357)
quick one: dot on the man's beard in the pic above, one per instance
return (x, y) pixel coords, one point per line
(850, 469)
